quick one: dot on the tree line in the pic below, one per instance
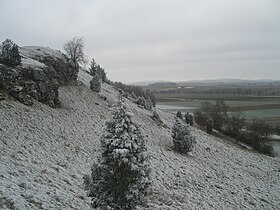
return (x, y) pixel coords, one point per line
(234, 91)
(216, 116)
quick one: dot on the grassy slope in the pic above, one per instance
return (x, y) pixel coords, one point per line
(45, 152)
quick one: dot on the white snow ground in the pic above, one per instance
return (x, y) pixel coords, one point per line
(30, 55)
(45, 152)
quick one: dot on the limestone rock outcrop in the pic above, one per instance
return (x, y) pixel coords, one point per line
(38, 77)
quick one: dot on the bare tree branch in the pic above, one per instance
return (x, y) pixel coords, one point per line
(75, 50)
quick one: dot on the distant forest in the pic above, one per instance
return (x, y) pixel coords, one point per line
(218, 91)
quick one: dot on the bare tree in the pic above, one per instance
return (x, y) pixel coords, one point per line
(236, 122)
(260, 130)
(75, 50)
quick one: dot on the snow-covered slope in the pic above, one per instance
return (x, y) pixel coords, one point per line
(45, 152)
(32, 54)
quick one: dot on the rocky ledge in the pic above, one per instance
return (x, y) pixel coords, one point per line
(38, 77)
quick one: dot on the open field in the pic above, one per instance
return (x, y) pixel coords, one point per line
(263, 113)
(210, 91)
(248, 102)
(267, 108)
(256, 100)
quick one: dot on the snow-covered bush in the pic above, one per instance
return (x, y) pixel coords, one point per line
(9, 53)
(133, 95)
(148, 104)
(179, 114)
(144, 98)
(121, 177)
(156, 117)
(145, 103)
(189, 119)
(96, 69)
(183, 140)
(95, 83)
(141, 101)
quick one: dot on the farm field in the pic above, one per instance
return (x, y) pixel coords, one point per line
(262, 107)
(263, 113)
(231, 103)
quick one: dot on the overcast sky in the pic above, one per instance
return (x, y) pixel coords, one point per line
(156, 39)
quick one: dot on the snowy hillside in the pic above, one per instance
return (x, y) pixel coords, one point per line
(45, 152)
(30, 55)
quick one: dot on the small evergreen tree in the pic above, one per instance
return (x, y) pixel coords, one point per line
(148, 104)
(95, 83)
(10, 54)
(141, 101)
(182, 138)
(179, 114)
(93, 67)
(121, 177)
(133, 95)
(96, 69)
(189, 119)
(103, 75)
(156, 117)
(151, 96)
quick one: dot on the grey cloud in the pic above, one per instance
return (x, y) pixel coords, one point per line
(156, 39)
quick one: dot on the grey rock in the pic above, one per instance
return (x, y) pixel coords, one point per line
(39, 76)
(8, 76)
(20, 94)
(63, 69)
(58, 65)
(2, 97)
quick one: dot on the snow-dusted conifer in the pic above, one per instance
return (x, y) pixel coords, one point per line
(103, 75)
(93, 67)
(156, 117)
(141, 101)
(95, 83)
(182, 138)
(189, 119)
(148, 104)
(10, 54)
(121, 177)
(179, 114)
(133, 95)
